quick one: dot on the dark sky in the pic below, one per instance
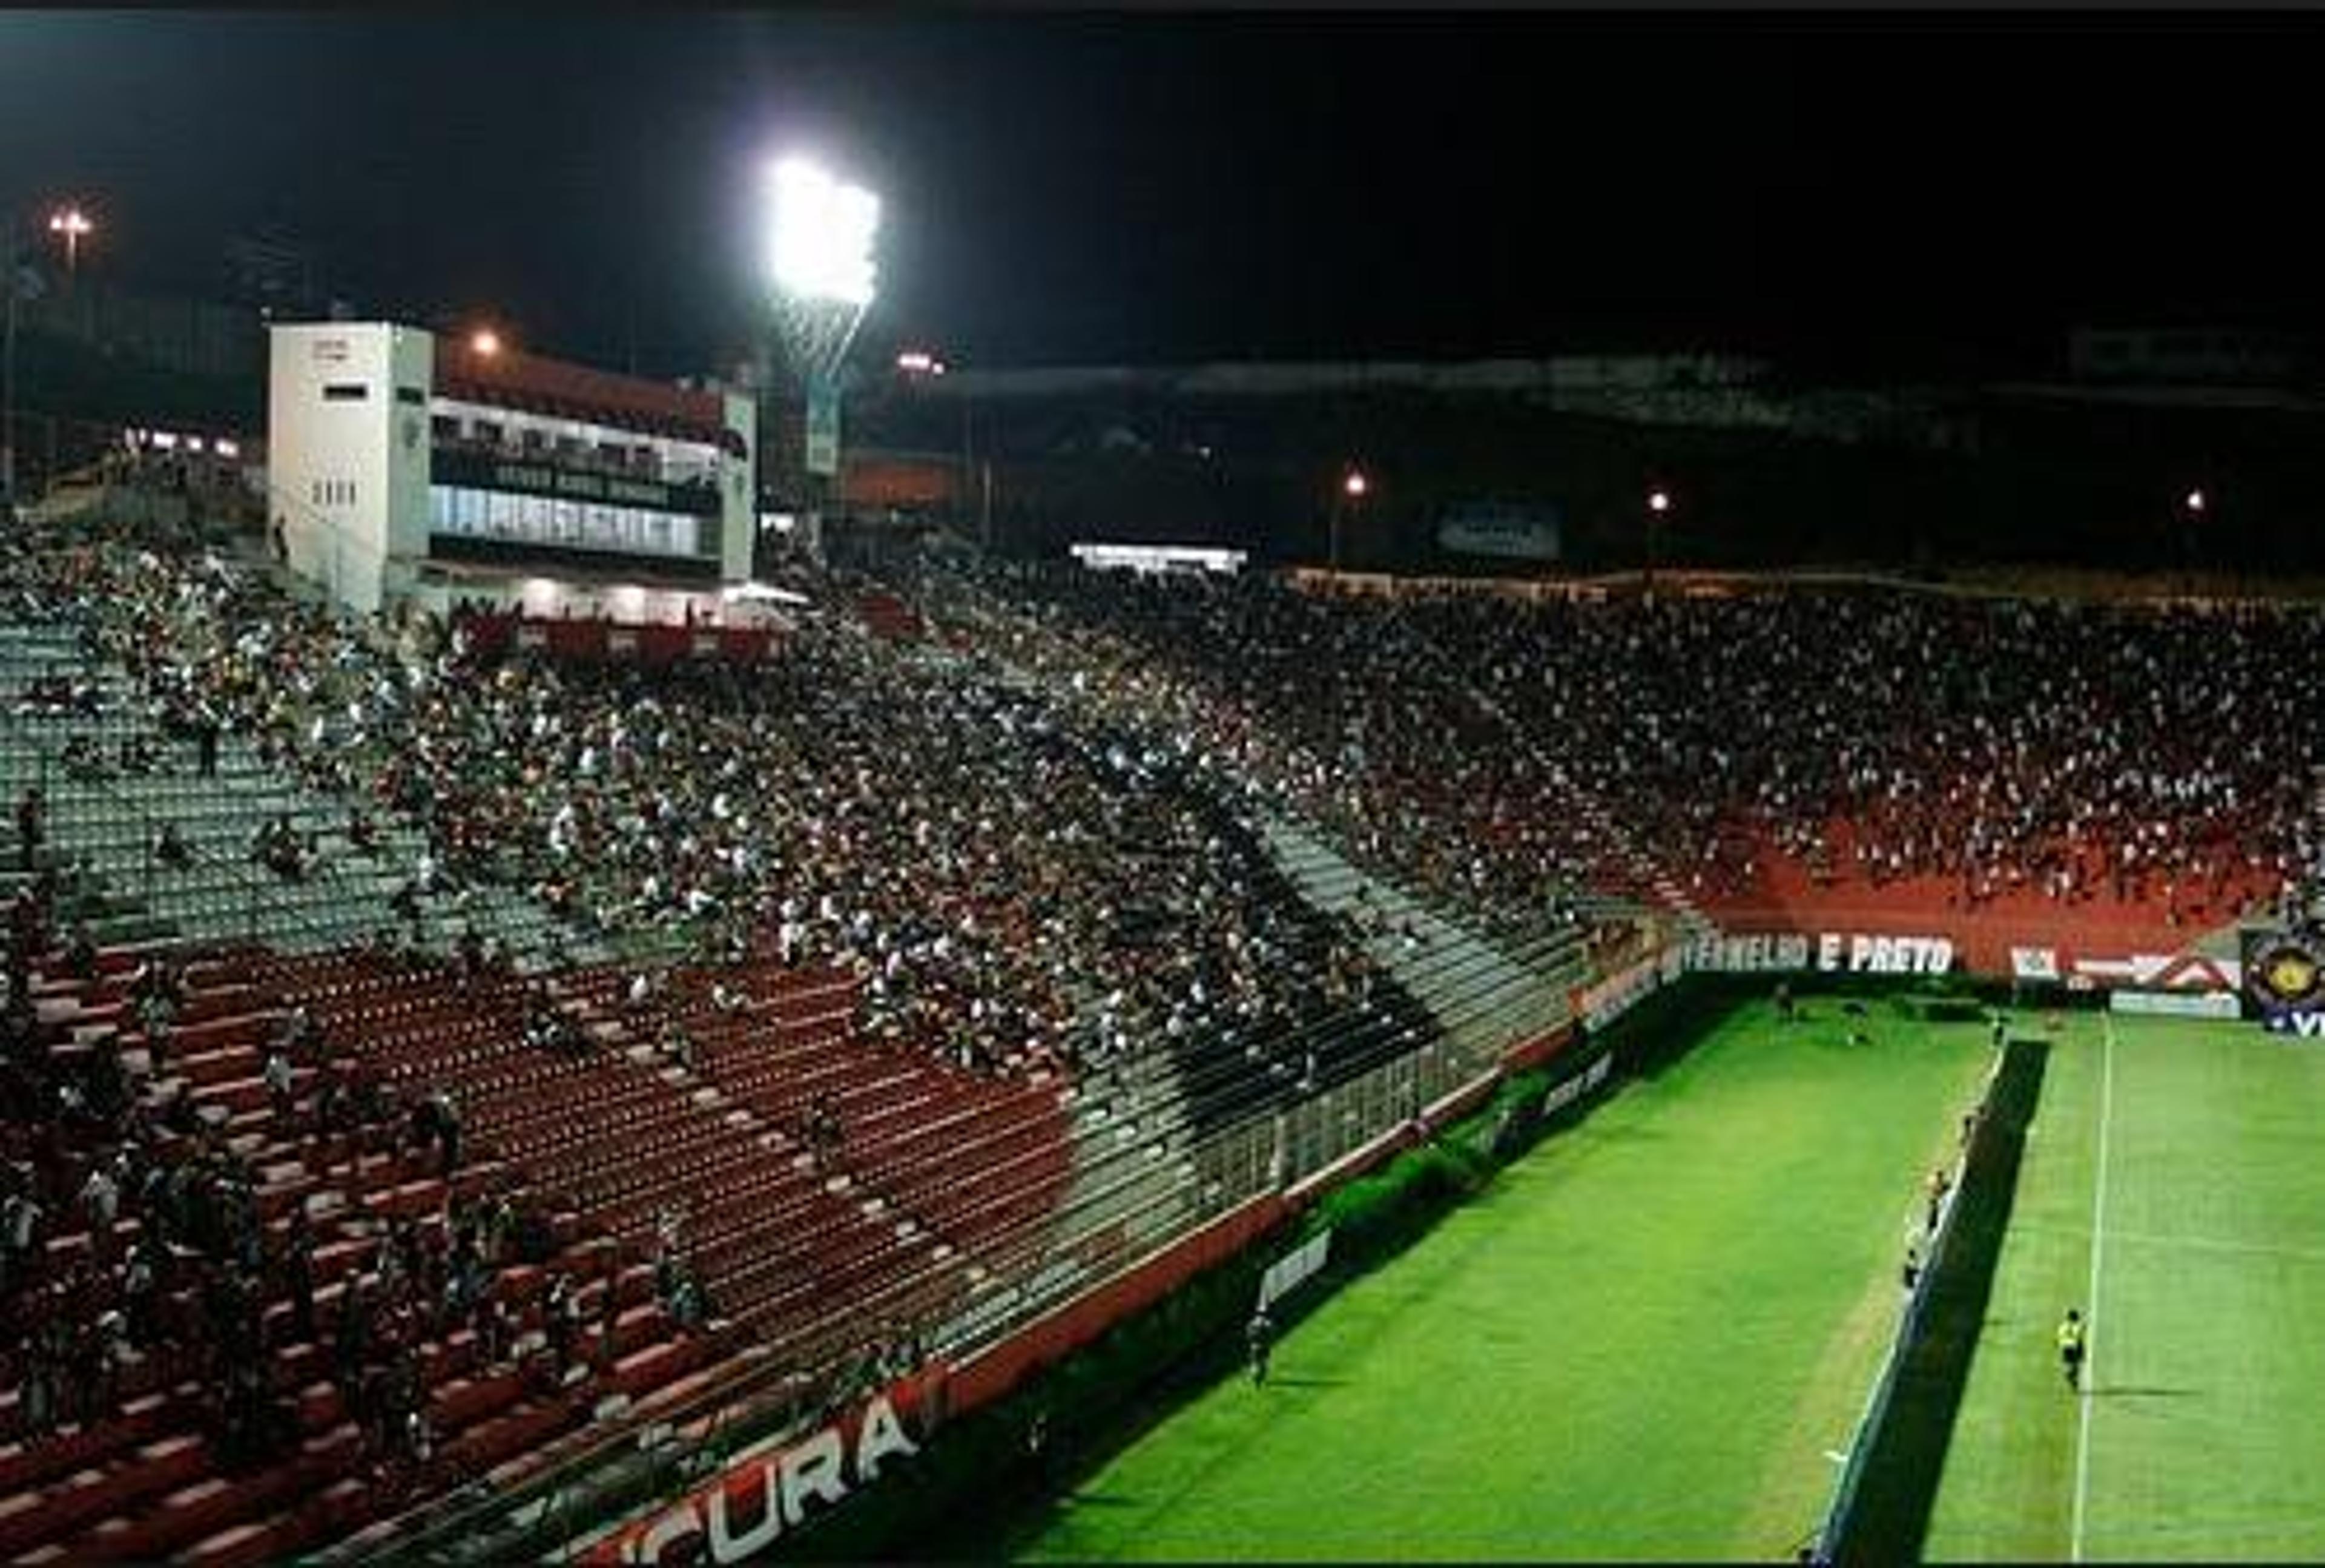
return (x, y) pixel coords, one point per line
(1155, 185)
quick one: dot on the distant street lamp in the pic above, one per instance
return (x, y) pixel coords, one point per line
(1354, 487)
(2192, 506)
(72, 223)
(1659, 502)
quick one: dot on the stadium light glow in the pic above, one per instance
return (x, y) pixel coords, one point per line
(1659, 500)
(819, 235)
(1356, 485)
(2193, 501)
(72, 223)
(485, 342)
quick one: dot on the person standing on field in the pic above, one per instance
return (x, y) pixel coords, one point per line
(2070, 1348)
(1259, 1338)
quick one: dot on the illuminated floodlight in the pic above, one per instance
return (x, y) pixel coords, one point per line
(1659, 501)
(1356, 485)
(2193, 500)
(820, 234)
(483, 342)
(226, 449)
(913, 362)
(73, 225)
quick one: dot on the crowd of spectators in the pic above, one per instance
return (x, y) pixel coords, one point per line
(1479, 745)
(1011, 890)
(1016, 889)
(1033, 847)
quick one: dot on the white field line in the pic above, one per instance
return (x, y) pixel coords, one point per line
(2092, 1300)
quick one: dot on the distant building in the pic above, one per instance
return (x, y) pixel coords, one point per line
(2181, 355)
(405, 466)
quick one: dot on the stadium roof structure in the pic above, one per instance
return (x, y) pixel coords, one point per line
(1641, 372)
(509, 378)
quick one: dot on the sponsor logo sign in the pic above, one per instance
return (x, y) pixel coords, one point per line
(1600, 1005)
(2284, 980)
(749, 1507)
(1829, 952)
(1288, 1273)
(2034, 963)
(1884, 955)
(823, 433)
(1786, 952)
(1583, 1082)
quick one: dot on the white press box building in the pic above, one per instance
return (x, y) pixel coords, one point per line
(403, 465)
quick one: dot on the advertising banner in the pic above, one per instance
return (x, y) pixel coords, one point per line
(754, 1502)
(823, 427)
(1288, 1273)
(543, 477)
(2176, 1004)
(1516, 532)
(1600, 1005)
(1828, 953)
(2034, 963)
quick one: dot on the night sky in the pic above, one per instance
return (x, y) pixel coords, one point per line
(1155, 187)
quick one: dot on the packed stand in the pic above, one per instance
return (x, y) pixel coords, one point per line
(2080, 755)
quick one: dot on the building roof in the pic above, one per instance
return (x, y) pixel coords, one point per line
(538, 384)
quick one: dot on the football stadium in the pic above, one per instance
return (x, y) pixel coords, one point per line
(1659, 948)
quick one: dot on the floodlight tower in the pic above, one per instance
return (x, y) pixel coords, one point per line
(73, 225)
(823, 273)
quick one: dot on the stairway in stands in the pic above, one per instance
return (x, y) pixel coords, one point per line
(1482, 996)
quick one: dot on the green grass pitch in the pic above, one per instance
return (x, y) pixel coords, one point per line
(2203, 1435)
(1639, 1342)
